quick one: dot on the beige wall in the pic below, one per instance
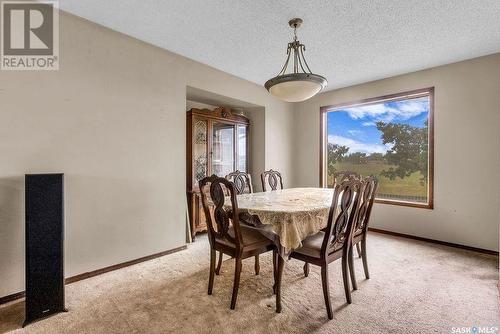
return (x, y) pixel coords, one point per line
(113, 120)
(257, 150)
(467, 151)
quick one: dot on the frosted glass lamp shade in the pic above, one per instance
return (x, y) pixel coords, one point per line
(295, 87)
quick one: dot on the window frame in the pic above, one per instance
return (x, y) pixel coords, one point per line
(429, 91)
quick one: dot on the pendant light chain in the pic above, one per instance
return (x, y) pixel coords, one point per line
(299, 59)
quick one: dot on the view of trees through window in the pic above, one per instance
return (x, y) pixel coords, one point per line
(385, 138)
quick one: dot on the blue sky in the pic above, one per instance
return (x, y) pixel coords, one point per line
(355, 127)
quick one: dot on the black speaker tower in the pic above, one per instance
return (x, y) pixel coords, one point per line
(44, 245)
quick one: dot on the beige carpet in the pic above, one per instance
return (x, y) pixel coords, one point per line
(415, 287)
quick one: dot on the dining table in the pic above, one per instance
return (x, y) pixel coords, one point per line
(286, 216)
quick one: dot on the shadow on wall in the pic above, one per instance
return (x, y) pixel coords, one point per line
(11, 229)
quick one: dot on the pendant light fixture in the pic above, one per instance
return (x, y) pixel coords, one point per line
(301, 84)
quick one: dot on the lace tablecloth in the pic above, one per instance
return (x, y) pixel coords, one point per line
(287, 216)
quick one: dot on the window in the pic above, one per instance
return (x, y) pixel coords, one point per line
(390, 137)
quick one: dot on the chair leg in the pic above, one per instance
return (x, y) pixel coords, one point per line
(212, 271)
(326, 290)
(345, 274)
(358, 249)
(236, 284)
(279, 274)
(365, 261)
(275, 269)
(306, 269)
(351, 269)
(219, 264)
(257, 264)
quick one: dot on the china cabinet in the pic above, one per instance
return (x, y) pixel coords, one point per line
(217, 143)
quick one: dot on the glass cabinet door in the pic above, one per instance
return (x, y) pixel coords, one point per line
(200, 150)
(222, 148)
(242, 158)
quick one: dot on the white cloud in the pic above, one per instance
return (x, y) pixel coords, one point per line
(413, 106)
(382, 112)
(355, 132)
(373, 110)
(357, 146)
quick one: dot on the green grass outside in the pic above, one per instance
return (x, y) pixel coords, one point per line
(408, 186)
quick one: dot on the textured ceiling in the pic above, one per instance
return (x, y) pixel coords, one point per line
(348, 42)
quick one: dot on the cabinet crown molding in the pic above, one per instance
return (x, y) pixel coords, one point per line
(220, 112)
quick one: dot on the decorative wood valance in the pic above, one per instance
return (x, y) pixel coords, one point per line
(220, 112)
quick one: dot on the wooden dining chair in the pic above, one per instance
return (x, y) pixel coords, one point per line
(225, 233)
(272, 178)
(360, 229)
(242, 184)
(339, 177)
(331, 244)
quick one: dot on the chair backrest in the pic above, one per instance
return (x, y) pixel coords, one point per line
(342, 215)
(242, 182)
(344, 175)
(272, 178)
(213, 194)
(370, 186)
